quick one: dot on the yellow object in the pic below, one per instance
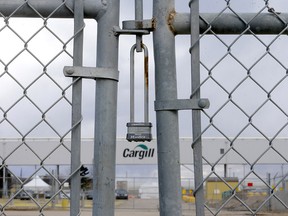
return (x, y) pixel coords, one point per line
(65, 203)
(215, 187)
(184, 191)
(190, 199)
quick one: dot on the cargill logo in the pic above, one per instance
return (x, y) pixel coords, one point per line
(140, 151)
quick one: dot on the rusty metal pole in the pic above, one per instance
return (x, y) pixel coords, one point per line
(167, 120)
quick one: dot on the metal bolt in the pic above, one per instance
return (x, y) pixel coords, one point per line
(202, 103)
(70, 71)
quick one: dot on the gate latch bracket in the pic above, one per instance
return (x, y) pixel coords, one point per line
(91, 72)
(182, 104)
(135, 27)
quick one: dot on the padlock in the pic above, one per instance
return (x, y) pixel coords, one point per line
(139, 131)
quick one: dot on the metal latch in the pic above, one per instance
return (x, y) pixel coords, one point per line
(139, 131)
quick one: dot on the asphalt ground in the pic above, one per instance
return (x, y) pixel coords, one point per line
(127, 212)
(83, 213)
(131, 207)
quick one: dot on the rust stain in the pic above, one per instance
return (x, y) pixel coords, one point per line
(139, 24)
(170, 20)
(146, 75)
(153, 23)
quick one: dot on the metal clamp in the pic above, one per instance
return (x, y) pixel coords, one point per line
(91, 72)
(182, 104)
(117, 31)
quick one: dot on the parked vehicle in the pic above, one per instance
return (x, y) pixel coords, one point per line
(24, 195)
(121, 194)
(47, 194)
(89, 195)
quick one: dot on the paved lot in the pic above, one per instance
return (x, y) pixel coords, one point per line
(83, 213)
(132, 207)
(130, 213)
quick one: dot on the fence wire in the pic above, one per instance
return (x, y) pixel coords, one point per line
(36, 100)
(244, 76)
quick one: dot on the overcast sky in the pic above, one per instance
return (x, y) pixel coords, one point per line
(228, 73)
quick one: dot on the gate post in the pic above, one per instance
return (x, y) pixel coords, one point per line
(167, 120)
(76, 110)
(196, 114)
(105, 114)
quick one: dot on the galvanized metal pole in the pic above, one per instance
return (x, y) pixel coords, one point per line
(92, 8)
(196, 114)
(269, 191)
(138, 16)
(167, 121)
(105, 115)
(4, 191)
(230, 23)
(76, 109)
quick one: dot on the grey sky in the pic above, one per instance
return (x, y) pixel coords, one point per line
(212, 51)
(229, 119)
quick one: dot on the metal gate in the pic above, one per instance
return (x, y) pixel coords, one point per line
(237, 61)
(37, 100)
(248, 105)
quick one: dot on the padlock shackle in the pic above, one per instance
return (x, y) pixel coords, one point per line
(132, 83)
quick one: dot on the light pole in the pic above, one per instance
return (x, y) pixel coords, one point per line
(4, 173)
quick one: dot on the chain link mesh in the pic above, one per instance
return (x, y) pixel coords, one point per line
(36, 98)
(245, 78)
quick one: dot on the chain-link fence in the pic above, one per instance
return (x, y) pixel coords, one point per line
(243, 72)
(36, 101)
(238, 53)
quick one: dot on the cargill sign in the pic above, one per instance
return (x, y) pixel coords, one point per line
(136, 152)
(141, 151)
(50, 151)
